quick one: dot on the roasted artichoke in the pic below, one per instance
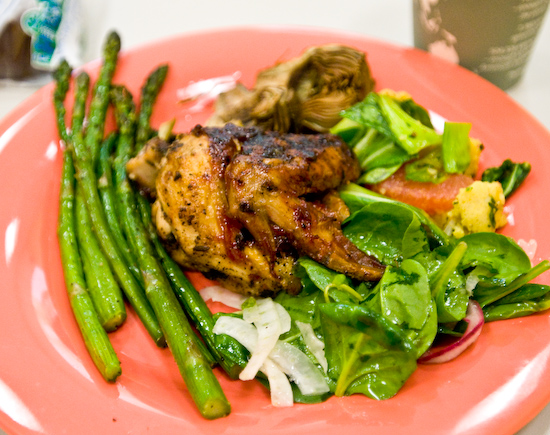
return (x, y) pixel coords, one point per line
(305, 94)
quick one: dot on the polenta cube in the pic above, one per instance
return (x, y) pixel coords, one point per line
(477, 208)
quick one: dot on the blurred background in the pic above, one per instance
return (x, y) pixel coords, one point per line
(141, 21)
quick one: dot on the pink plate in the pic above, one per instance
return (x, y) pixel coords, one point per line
(48, 384)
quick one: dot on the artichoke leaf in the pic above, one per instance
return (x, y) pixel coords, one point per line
(302, 95)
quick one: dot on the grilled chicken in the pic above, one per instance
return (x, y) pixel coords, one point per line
(241, 205)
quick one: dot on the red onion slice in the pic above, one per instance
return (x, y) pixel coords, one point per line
(447, 352)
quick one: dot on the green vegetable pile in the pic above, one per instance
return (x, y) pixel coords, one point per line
(373, 333)
(109, 249)
(389, 130)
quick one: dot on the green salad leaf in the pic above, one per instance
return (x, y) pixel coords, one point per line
(366, 352)
(385, 131)
(378, 229)
(389, 130)
(410, 133)
(510, 174)
(356, 197)
(455, 147)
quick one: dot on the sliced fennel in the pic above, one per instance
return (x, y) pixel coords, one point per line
(259, 332)
(315, 346)
(217, 293)
(270, 323)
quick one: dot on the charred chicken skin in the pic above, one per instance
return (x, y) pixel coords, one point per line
(241, 205)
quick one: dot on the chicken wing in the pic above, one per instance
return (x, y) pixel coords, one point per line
(268, 185)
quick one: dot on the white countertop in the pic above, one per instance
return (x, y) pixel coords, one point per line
(389, 20)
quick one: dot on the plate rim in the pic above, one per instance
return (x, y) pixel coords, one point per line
(38, 97)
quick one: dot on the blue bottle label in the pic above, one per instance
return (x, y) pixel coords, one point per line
(41, 24)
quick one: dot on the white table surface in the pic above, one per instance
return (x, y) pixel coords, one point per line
(141, 21)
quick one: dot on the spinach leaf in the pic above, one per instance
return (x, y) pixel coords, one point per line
(309, 399)
(415, 240)
(447, 282)
(511, 175)
(405, 294)
(377, 326)
(528, 299)
(378, 229)
(356, 197)
(525, 293)
(392, 232)
(406, 300)
(333, 285)
(369, 114)
(319, 275)
(320, 285)
(490, 290)
(303, 306)
(512, 310)
(416, 111)
(500, 265)
(501, 256)
(366, 354)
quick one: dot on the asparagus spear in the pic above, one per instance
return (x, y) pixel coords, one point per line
(100, 99)
(131, 288)
(104, 291)
(62, 77)
(82, 87)
(110, 206)
(103, 288)
(95, 337)
(85, 152)
(193, 366)
(149, 93)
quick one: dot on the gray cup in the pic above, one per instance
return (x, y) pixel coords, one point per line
(492, 38)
